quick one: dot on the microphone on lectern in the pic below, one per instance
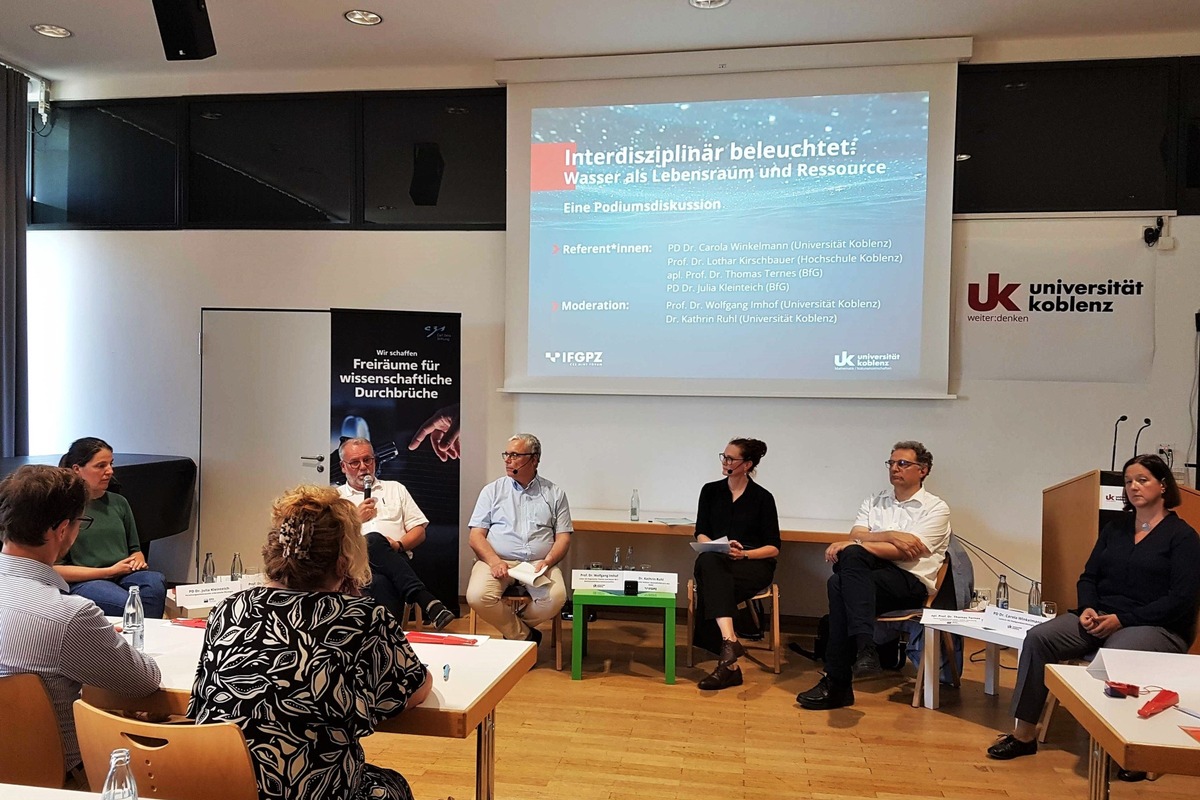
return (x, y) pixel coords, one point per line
(1139, 435)
(1113, 463)
(368, 482)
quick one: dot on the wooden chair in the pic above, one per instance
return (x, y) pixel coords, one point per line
(1043, 723)
(913, 614)
(178, 762)
(31, 750)
(517, 598)
(774, 643)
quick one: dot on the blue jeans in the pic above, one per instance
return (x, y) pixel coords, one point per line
(111, 595)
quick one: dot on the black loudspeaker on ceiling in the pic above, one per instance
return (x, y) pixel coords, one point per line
(185, 29)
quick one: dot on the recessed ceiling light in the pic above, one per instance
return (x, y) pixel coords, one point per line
(360, 17)
(708, 3)
(53, 31)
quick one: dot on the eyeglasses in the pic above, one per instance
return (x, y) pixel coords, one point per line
(359, 463)
(84, 522)
(901, 463)
(724, 459)
(507, 456)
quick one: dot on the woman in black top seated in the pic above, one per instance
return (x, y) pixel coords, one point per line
(739, 508)
(1140, 590)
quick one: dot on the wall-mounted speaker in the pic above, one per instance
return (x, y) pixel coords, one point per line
(428, 166)
(185, 29)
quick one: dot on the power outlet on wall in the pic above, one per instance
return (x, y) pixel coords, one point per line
(1166, 452)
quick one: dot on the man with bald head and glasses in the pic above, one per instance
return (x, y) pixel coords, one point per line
(889, 561)
(519, 517)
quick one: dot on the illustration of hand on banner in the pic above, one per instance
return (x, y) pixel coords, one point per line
(442, 430)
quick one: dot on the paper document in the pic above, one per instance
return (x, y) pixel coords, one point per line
(674, 520)
(715, 546)
(935, 616)
(539, 585)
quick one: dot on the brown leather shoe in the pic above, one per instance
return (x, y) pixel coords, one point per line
(731, 651)
(721, 678)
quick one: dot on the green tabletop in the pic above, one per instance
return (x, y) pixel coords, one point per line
(582, 598)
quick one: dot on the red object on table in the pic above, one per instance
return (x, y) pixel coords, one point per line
(420, 637)
(1160, 702)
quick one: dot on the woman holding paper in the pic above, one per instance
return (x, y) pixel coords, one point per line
(306, 665)
(738, 508)
(1140, 590)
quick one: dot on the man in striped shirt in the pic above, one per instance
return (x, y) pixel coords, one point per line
(63, 638)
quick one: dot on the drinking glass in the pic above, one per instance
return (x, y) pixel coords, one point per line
(1049, 609)
(982, 599)
(645, 567)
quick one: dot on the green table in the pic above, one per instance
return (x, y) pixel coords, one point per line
(583, 598)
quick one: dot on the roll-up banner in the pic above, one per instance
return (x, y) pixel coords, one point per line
(395, 381)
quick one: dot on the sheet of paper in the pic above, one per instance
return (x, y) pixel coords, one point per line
(526, 574)
(674, 520)
(715, 546)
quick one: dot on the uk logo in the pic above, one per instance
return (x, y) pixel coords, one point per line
(844, 360)
(996, 296)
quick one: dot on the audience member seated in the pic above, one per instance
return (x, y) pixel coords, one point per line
(305, 664)
(1140, 590)
(520, 517)
(740, 509)
(65, 639)
(107, 558)
(890, 561)
(393, 526)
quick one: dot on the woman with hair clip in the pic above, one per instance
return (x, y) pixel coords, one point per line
(739, 508)
(107, 557)
(306, 665)
(1140, 590)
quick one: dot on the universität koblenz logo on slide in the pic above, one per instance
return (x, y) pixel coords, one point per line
(1007, 302)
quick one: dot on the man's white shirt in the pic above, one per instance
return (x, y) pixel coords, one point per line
(396, 513)
(924, 515)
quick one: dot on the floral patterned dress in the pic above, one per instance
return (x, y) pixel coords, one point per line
(306, 675)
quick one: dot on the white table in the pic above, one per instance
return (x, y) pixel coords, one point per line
(608, 520)
(480, 677)
(993, 639)
(1117, 733)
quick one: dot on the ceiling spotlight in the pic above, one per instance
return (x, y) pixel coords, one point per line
(53, 31)
(361, 17)
(708, 3)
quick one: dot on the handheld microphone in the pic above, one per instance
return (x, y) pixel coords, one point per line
(1139, 435)
(1113, 463)
(368, 482)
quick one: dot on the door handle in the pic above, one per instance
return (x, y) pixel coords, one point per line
(317, 459)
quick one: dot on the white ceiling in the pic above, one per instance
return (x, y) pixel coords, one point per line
(119, 37)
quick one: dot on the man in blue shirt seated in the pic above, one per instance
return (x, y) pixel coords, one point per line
(520, 517)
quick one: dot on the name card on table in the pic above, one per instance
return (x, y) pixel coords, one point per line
(937, 616)
(613, 580)
(1006, 619)
(192, 595)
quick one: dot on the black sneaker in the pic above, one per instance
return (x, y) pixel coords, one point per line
(1009, 746)
(437, 613)
(866, 665)
(825, 695)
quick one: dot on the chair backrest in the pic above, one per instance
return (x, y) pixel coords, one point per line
(179, 762)
(31, 751)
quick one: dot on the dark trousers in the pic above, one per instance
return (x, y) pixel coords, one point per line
(722, 583)
(393, 580)
(862, 587)
(1064, 638)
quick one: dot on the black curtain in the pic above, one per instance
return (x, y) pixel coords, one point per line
(14, 418)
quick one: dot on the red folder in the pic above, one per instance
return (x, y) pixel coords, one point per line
(420, 637)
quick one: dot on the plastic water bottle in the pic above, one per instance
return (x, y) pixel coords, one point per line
(616, 558)
(209, 573)
(235, 569)
(1035, 599)
(133, 623)
(1002, 593)
(119, 785)
(634, 505)
(630, 564)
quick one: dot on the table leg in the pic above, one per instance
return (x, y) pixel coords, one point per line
(485, 758)
(932, 654)
(669, 643)
(578, 632)
(991, 669)
(1099, 766)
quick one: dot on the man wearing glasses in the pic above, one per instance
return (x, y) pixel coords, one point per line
(61, 637)
(520, 517)
(890, 561)
(394, 526)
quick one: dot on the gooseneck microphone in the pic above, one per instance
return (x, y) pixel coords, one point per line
(368, 482)
(1113, 463)
(1139, 435)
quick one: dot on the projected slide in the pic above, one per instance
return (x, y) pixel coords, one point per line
(766, 239)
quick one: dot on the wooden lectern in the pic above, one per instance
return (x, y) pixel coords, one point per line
(1071, 521)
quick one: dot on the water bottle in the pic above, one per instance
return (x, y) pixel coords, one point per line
(616, 558)
(119, 785)
(634, 505)
(1035, 599)
(133, 623)
(1002, 593)
(629, 562)
(235, 569)
(209, 573)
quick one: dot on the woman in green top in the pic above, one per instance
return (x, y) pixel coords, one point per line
(107, 557)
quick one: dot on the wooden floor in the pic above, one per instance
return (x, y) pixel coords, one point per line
(622, 733)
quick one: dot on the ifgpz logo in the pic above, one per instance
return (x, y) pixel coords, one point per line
(576, 358)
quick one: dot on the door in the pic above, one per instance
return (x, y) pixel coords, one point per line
(264, 422)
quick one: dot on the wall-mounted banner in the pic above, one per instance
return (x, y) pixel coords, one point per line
(395, 381)
(1047, 309)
